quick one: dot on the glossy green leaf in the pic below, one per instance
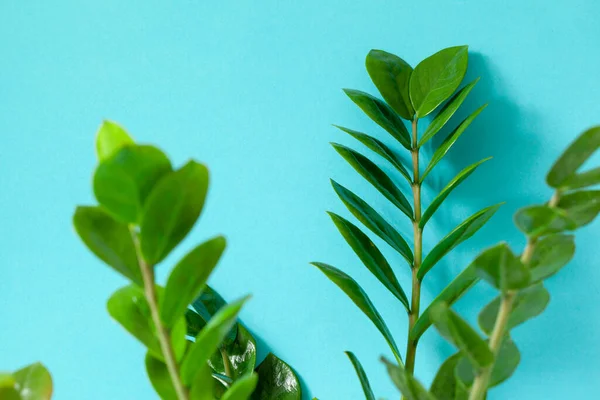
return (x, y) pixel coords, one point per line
(380, 148)
(410, 388)
(123, 181)
(436, 78)
(33, 382)
(276, 380)
(391, 75)
(446, 112)
(362, 376)
(576, 154)
(458, 235)
(450, 140)
(376, 177)
(439, 199)
(188, 278)
(502, 269)
(458, 332)
(581, 207)
(171, 210)
(505, 365)
(159, 378)
(209, 339)
(203, 308)
(528, 303)
(536, 221)
(443, 386)
(451, 293)
(110, 138)
(582, 180)
(109, 240)
(550, 254)
(241, 354)
(371, 257)
(241, 388)
(360, 298)
(373, 221)
(381, 114)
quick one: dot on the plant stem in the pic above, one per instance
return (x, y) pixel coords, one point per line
(226, 364)
(411, 345)
(162, 332)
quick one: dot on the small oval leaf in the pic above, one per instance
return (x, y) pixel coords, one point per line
(502, 269)
(573, 157)
(537, 221)
(111, 137)
(550, 254)
(276, 380)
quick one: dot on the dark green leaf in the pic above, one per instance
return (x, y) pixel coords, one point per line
(410, 388)
(446, 113)
(172, 209)
(391, 75)
(584, 179)
(241, 355)
(110, 138)
(372, 220)
(458, 235)
(380, 148)
(449, 141)
(501, 268)
(242, 388)
(123, 181)
(536, 221)
(382, 114)
(439, 199)
(436, 78)
(576, 154)
(109, 240)
(203, 308)
(376, 177)
(444, 383)
(581, 207)
(451, 293)
(551, 254)
(276, 381)
(159, 377)
(33, 382)
(188, 278)
(371, 257)
(528, 303)
(360, 372)
(507, 361)
(360, 298)
(458, 332)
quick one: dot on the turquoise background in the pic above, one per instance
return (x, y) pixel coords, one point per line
(251, 88)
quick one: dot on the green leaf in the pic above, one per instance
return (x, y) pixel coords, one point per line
(241, 388)
(536, 221)
(381, 114)
(458, 235)
(360, 298)
(110, 138)
(391, 75)
(576, 154)
(109, 240)
(276, 380)
(584, 179)
(373, 221)
(203, 309)
(444, 383)
(33, 382)
(380, 148)
(410, 388)
(204, 385)
(159, 378)
(450, 140)
(376, 177)
(209, 339)
(123, 181)
(362, 376)
(458, 332)
(371, 257)
(188, 278)
(241, 354)
(528, 303)
(502, 269)
(446, 113)
(7, 380)
(171, 210)
(436, 78)
(581, 207)
(507, 361)
(9, 393)
(551, 254)
(439, 199)
(451, 293)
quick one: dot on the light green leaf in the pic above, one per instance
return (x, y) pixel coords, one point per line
(188, 278)
(203, 309)
(204, 385)
(410, 388)
(443, 386)
(362, 376)
(458, 235)
(581, 207)
(536, 221)
(241, 354)
(506, 363)
(550, 254)
(171, 210)
(376, 177)
(159, 377)
(381, 114)
(9, 393)
(109, 240)
(276, 380)
(391, 75)
(449, 141)
(110, 138)
(436, 78)
(439, 199)
(446, 113)
(241, 388)
(33, 382)
(582, 180)
(371, 257)
(373, 221)
(360, 298)
(7, 380)
(502, 269)
(565, 168)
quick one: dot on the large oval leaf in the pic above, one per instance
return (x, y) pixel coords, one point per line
(159, 378)
(276, 380)
(33, 382)
(582, 207)
(550, 254)
(111, 137)
(576, 154)
(362, 376)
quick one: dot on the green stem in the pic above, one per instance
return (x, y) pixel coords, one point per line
(226, 364)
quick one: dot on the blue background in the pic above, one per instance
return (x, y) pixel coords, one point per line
(251, 88)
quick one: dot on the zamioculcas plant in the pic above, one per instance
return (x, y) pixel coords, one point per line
(146, 208)
(30, 383)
